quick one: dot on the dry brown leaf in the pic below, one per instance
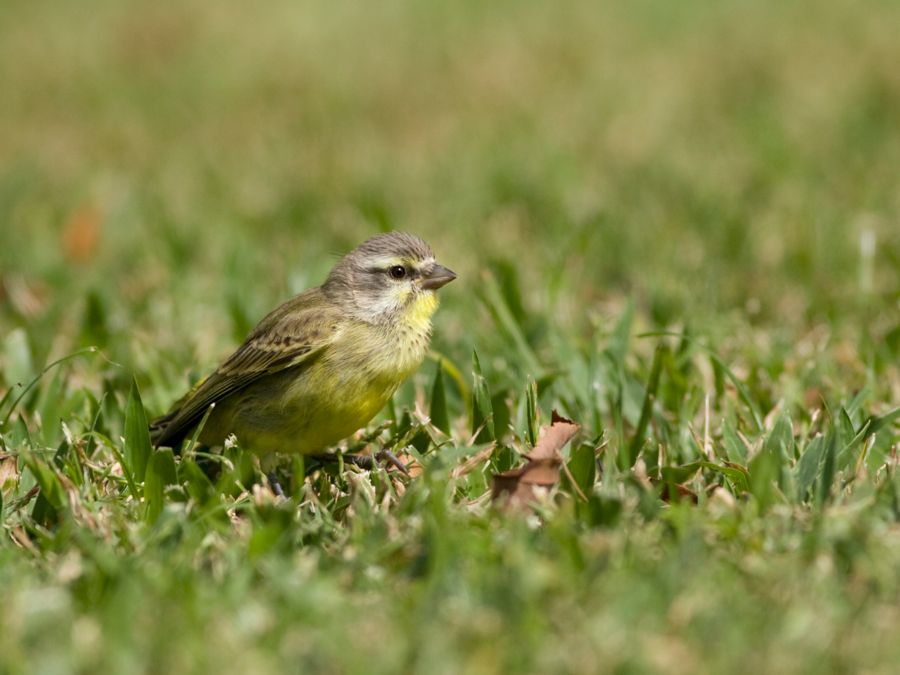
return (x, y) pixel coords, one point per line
(684, 493)
(413, 468)
(21, 539)
(542, 469)
(81, 234)
(28, 298)
(9, 473)
(553, 438)
(9, 470)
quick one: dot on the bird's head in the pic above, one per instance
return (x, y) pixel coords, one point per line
(389, 278)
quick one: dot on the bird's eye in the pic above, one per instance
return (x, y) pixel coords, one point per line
(397, 271)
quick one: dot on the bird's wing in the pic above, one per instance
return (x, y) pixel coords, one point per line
(294, 333)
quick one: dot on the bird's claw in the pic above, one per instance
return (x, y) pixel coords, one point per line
(367, 462)
(393, 460)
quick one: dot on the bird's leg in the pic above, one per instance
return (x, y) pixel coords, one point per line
(364, 461)
(275, 484)
(268, 464)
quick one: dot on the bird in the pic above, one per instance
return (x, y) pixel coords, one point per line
(321, 365)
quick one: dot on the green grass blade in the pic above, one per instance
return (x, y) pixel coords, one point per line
(137, 435)
(876, 424)
(531, 412)
(826, 477)
(160, 474)
(637, 441)
(438, 409)
(583, 467)
(482, 411)
(52, 491)
(807, 469)
(765, 468)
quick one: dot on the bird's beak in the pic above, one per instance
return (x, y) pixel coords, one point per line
(436, 277)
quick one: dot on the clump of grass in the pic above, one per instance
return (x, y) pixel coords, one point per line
(688, 492)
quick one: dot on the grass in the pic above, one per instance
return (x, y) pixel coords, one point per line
(674, 224)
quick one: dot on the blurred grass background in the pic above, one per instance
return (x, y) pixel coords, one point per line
(702, 160)
(171, 171)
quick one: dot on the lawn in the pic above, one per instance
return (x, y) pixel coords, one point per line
(675, 224)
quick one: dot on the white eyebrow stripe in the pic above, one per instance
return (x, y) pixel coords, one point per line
(385, 262)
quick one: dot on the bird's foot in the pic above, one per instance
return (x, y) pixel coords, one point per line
(365, 461)
(392, 459)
